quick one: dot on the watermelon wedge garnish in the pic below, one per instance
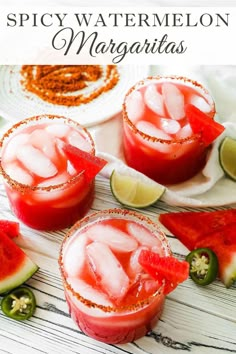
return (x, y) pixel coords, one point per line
(166, 270)
(203, 124)
(10, 228)
(16, 266)
(188, 227)
(210, 229)
(83, 161)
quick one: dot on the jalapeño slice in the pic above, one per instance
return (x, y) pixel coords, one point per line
(203, 266)
(19, 304)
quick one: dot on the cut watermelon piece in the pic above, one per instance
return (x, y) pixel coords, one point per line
(210, 229)
(223, 243)
(188, 227)
(10, 228)
(16, 266)
(166, 270)
(203, 124)
(84, 161)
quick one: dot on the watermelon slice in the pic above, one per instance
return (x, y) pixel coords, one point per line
(203, 124)
(10, 228)
(223, 243)
(167, 270)
(188, 227)
(215, 230)
(84, 161)
(15, 266)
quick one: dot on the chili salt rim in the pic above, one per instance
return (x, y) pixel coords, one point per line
(158, 78)
(22, 187)
(104, 214)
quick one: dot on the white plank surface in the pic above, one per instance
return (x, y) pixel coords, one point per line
(195, 320)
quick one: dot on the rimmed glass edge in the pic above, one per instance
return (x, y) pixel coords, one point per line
(106, 214)
(158, 79)
(23, 187)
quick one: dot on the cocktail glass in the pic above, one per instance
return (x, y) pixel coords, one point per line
(110, 296)
(158, 139)
(44, 190)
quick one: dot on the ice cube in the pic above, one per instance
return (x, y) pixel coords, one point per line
(58, 195)
(142, 235)
(108, 270)
(158, 249)
(150, 286)
(112, 237)
(135, 267)
(76, 139)
(43, 141)
(169, 126)
(154, 100)
(88, 292)
(184, 132)
(70, 169)
(36, 162)
(135, 106)
(19, 174)
(13, 146)
(151, 130)
(174, 100)
(58, 130)
(200, 103)
(188, 145)
(74, 256)
(54, 181)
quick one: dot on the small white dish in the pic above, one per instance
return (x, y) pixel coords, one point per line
(16, 103)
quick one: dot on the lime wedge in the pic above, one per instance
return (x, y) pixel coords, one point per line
(227, 157)
(133, 191)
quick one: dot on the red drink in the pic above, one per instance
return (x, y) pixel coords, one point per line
(44, 190)
(110, 296)
(158, 139)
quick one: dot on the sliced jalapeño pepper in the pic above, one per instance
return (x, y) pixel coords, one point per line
(19, 304)
(203, 266)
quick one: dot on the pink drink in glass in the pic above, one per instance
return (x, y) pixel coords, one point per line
(158, 139)
(44, 190)
(110, 296)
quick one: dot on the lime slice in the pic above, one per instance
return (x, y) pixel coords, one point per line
(133, 191)
(228, 157)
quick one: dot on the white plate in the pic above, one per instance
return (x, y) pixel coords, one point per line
(17, 104)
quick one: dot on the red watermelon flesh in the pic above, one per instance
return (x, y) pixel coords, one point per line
(223, 243)
(83, 161)
(188, 227)
(10, 228)
(215, 230)
(15, 266)
(166, 270)
(202, 124)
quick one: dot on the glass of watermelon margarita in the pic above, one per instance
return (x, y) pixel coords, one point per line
(44, 189)
(158, 139)
(110, 296)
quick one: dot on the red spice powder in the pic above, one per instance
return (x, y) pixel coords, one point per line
(62, 84)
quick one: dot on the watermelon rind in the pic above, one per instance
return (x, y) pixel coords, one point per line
(25, 271)
(228, 274)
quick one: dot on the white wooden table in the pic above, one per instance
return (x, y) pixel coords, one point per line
(195, 319)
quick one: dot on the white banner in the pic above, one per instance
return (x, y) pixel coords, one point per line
(108, 35)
